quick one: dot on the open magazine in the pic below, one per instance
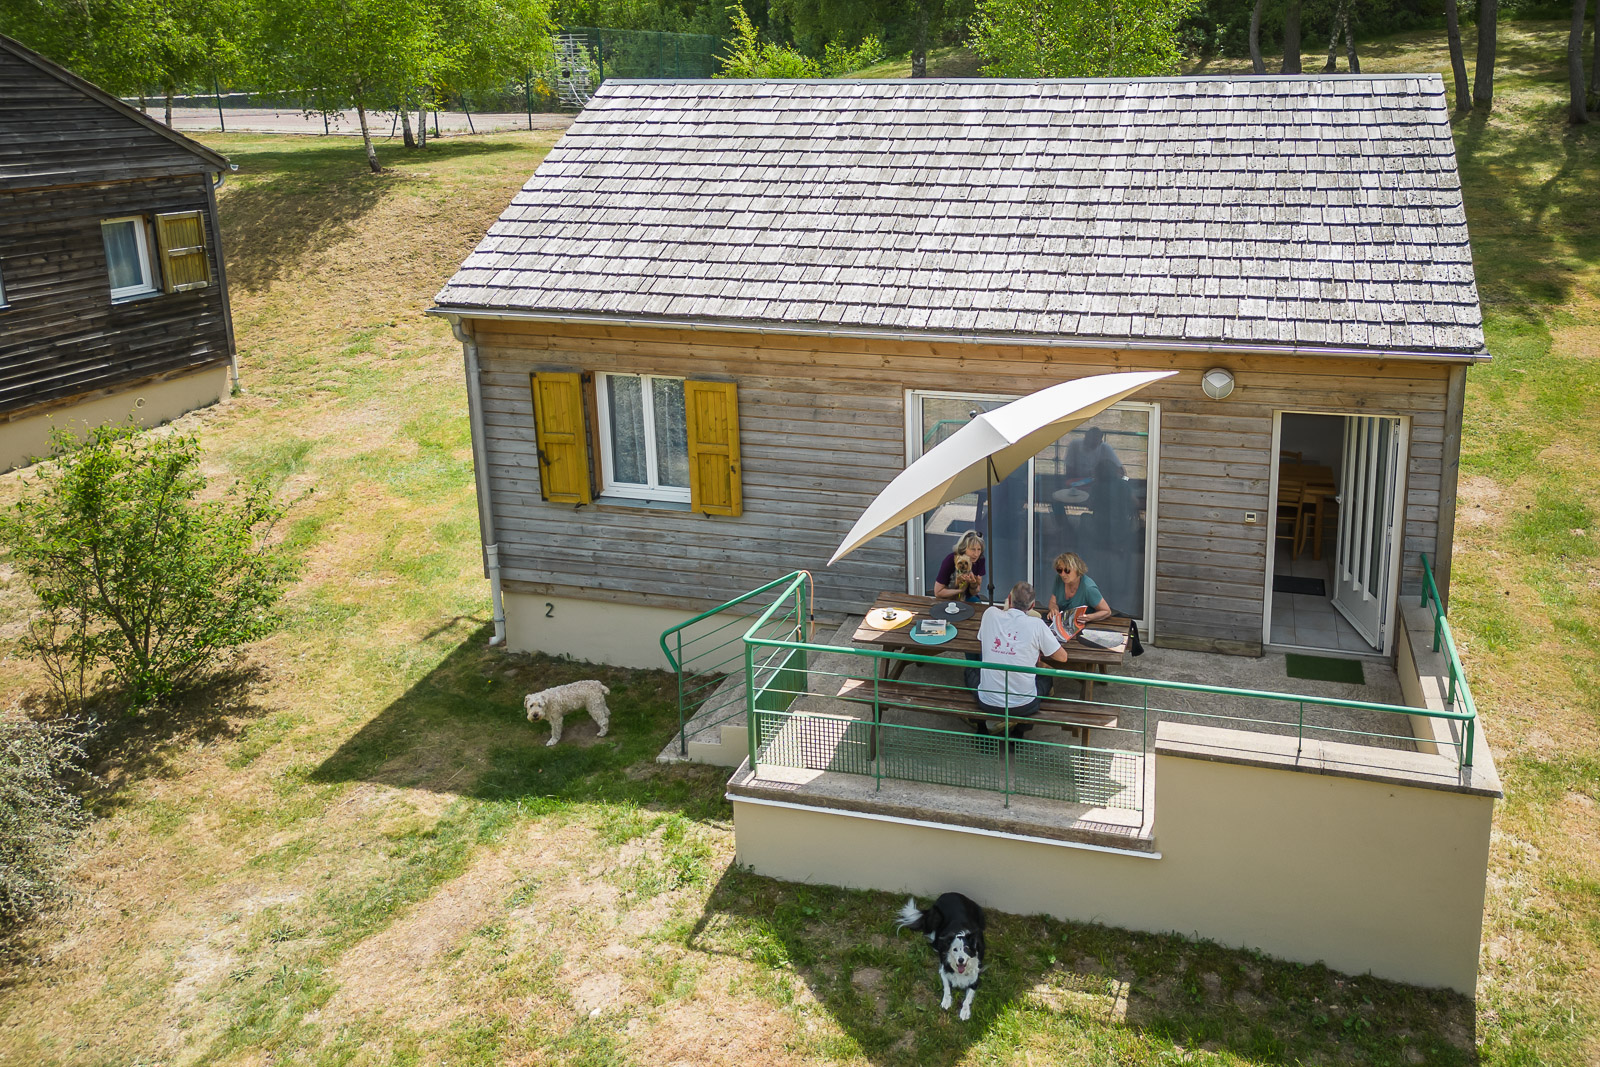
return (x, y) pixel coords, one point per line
(1068, 625)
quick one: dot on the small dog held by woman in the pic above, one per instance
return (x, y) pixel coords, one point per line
(553, 704)
(954, 927)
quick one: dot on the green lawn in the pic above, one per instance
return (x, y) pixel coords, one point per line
(354, 851)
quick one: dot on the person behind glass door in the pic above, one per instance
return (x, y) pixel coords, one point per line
(1074, 589)
(1088, 454)
(950, 583)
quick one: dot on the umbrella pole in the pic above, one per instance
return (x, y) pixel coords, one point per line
(988, 501)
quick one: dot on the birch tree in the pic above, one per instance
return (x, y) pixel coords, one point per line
(1458, 62)
(1483, 76)
(1577, 104)
(356, 51)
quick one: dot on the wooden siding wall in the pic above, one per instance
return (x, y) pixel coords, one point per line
(54, 134)
(60, 335)
(822, 424)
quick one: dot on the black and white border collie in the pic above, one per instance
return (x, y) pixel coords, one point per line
(954, 926)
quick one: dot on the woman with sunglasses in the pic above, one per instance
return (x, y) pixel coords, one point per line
(1074, 589)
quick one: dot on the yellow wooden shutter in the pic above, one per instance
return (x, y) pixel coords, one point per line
(712, 410)
(562, 438)
(181, 236)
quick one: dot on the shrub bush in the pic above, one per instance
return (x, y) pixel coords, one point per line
(140, 581)
(38, 813)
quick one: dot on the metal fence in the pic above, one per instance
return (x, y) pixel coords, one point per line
(648, 53)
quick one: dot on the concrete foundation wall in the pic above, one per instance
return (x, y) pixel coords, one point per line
(597, 631)
(1363, 874)
(27, 439)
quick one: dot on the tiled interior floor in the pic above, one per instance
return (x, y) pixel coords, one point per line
(1311, 621)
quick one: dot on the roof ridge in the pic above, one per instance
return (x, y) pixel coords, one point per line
(1162, 80)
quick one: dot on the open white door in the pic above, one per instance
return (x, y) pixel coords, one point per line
(1370, 481)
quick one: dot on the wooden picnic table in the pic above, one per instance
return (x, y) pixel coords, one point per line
(1081, 656)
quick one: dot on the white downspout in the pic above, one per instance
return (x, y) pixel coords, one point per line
(480, 467)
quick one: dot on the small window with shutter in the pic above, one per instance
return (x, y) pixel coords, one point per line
(655, 438)
(181, 238)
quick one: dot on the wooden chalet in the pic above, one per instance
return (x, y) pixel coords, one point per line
(113, 298)
(722, 315)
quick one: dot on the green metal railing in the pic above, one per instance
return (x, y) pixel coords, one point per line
(790, 686)
(703, 662)
(781, 671)
(1457, 692)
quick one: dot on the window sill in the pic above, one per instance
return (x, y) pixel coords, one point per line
(133, 298)
(641, 503)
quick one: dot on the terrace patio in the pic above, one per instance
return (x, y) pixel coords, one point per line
(1257, 809)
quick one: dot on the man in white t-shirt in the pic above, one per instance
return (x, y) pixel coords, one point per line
(1011, 636)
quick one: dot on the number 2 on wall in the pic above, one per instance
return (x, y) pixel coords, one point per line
(549, 610)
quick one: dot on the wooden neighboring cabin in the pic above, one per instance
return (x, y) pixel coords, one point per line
(829, 254)
(83, 175)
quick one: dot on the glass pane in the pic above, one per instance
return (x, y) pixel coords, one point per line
(1380, 507)
(1006, 554)
(122, 254)
(625, 407)
(672, 432)
(1091, 491)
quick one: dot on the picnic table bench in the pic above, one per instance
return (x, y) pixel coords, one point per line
(960, 703)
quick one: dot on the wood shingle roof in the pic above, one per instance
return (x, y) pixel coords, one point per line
(1319, 213)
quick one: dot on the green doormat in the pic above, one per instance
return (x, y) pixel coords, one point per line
(1324, 669)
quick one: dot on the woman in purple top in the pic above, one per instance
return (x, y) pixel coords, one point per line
(950, 585)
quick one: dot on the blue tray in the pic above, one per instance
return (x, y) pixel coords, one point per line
(922, 639)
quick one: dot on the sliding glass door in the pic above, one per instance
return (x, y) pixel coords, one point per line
(1087, 493)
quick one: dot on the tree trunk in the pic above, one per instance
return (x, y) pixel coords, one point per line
(1458, 62)
(1291, 37)
(1577, 105)
(1350, 42)
(1332, 65)
(168, 92)
(919, 42)
(422, 123)
(1256, 62)
(1483, 77)
(1594, 66)
(406, 135)
(366, 138)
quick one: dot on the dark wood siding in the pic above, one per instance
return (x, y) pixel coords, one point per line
(822, 425)
(52, 133)
(61, 335)
(70, 159)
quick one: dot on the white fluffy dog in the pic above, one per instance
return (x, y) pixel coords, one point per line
(553, 704)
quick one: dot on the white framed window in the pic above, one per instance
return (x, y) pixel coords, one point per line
(644, 437)
(127, 242)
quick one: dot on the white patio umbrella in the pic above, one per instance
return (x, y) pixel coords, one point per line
(987, 449)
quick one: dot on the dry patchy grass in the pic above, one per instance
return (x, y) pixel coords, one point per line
(356, 852)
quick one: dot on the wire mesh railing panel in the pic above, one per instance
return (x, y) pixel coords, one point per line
(1098, 777)
(941, 757)
(812, 742)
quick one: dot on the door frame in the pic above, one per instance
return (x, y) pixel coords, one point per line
(1397, 519)
(913, 529)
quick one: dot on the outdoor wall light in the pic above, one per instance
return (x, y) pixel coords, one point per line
(1217, 383)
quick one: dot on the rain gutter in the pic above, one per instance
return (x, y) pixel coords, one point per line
(951, 337)
(480, 467)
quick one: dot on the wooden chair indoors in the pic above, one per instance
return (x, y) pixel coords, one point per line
(1291, 514)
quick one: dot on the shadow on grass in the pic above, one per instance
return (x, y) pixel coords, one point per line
(126, 748)
(461, 729)
(1070, 992)
(295, 202)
